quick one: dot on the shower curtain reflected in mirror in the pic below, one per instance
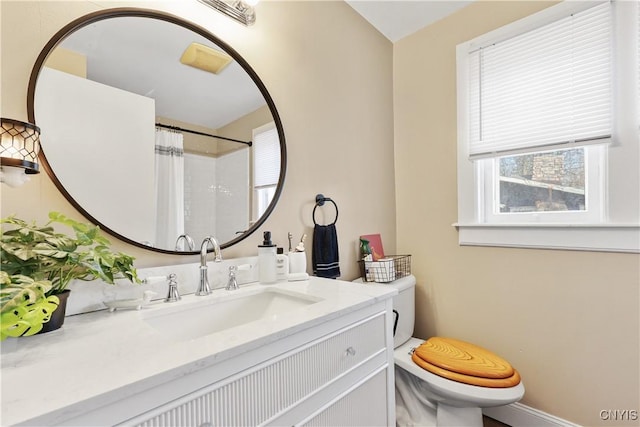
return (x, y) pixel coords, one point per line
(169, 183)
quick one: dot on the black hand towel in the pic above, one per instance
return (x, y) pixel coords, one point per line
(325, 257)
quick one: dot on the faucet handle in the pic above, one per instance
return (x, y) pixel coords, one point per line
(232, 283)
(173, 295)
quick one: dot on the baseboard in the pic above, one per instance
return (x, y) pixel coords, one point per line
(517, 414)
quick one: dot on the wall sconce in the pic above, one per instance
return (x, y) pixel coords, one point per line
(19, 148)
(240, 10)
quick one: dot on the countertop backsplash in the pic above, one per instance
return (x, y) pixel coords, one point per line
(89, 296)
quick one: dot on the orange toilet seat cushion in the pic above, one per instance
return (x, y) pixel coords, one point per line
(465, 362)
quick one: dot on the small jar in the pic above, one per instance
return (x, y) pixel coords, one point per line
(282, 265)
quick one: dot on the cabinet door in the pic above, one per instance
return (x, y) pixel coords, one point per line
(364, 405)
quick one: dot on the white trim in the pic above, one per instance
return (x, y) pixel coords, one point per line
(581, 237)
(263, 128)
(517, 414)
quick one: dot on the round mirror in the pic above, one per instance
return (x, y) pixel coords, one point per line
(156, 130)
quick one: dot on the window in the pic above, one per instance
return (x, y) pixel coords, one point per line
(266, 167)
(555, 186)
(548, 131)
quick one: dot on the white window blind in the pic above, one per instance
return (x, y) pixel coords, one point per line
(266, 158)
(548, 88)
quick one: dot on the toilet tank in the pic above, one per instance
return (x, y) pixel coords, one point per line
(404, 307)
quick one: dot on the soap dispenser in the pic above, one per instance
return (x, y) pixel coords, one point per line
(267, 260)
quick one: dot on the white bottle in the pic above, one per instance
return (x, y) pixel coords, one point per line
(267, 260)
(282, 266)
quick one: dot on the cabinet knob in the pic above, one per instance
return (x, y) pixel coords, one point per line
(351, 351)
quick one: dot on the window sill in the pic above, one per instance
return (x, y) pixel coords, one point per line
(577, 237)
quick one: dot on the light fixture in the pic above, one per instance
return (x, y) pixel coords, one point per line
(241, 11)
(19, 148)
(205, 58)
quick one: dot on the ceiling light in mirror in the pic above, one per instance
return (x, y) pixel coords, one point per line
(205, 58)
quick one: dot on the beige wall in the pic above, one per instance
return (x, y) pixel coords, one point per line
(568, 321)
(330, 75)
(68, 61)
(242, 128)
(238, 129)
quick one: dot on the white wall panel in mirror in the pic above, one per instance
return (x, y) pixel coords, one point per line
(92, 130)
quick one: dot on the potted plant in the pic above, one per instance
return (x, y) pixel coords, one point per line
(52, 259)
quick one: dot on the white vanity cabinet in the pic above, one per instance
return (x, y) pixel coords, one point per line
(329, 362)
(338, 372)
(340, 376)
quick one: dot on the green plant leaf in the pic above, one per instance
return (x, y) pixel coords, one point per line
(24, 306)
(42, 253)
(16, 329)
(21, 291)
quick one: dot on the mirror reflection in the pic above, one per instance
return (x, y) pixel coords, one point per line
(156, 130)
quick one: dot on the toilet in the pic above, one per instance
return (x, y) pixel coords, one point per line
(426, 398)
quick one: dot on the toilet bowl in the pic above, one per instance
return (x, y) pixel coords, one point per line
(450, 403)
(425, 398)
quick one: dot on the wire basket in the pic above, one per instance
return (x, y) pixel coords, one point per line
(388, 269)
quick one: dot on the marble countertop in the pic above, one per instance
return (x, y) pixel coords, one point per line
(97, 353)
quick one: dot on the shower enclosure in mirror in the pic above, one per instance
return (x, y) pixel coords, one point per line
(154, 129)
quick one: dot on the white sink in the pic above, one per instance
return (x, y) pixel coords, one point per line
(210, 314)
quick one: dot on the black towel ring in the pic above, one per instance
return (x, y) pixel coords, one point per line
(320, 199)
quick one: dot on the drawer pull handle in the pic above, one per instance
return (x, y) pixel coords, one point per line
(351, 351)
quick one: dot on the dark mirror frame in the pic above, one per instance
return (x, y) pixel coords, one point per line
(146, 13)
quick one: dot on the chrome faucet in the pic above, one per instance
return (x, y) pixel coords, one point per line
(191, 245)
(204, 288)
